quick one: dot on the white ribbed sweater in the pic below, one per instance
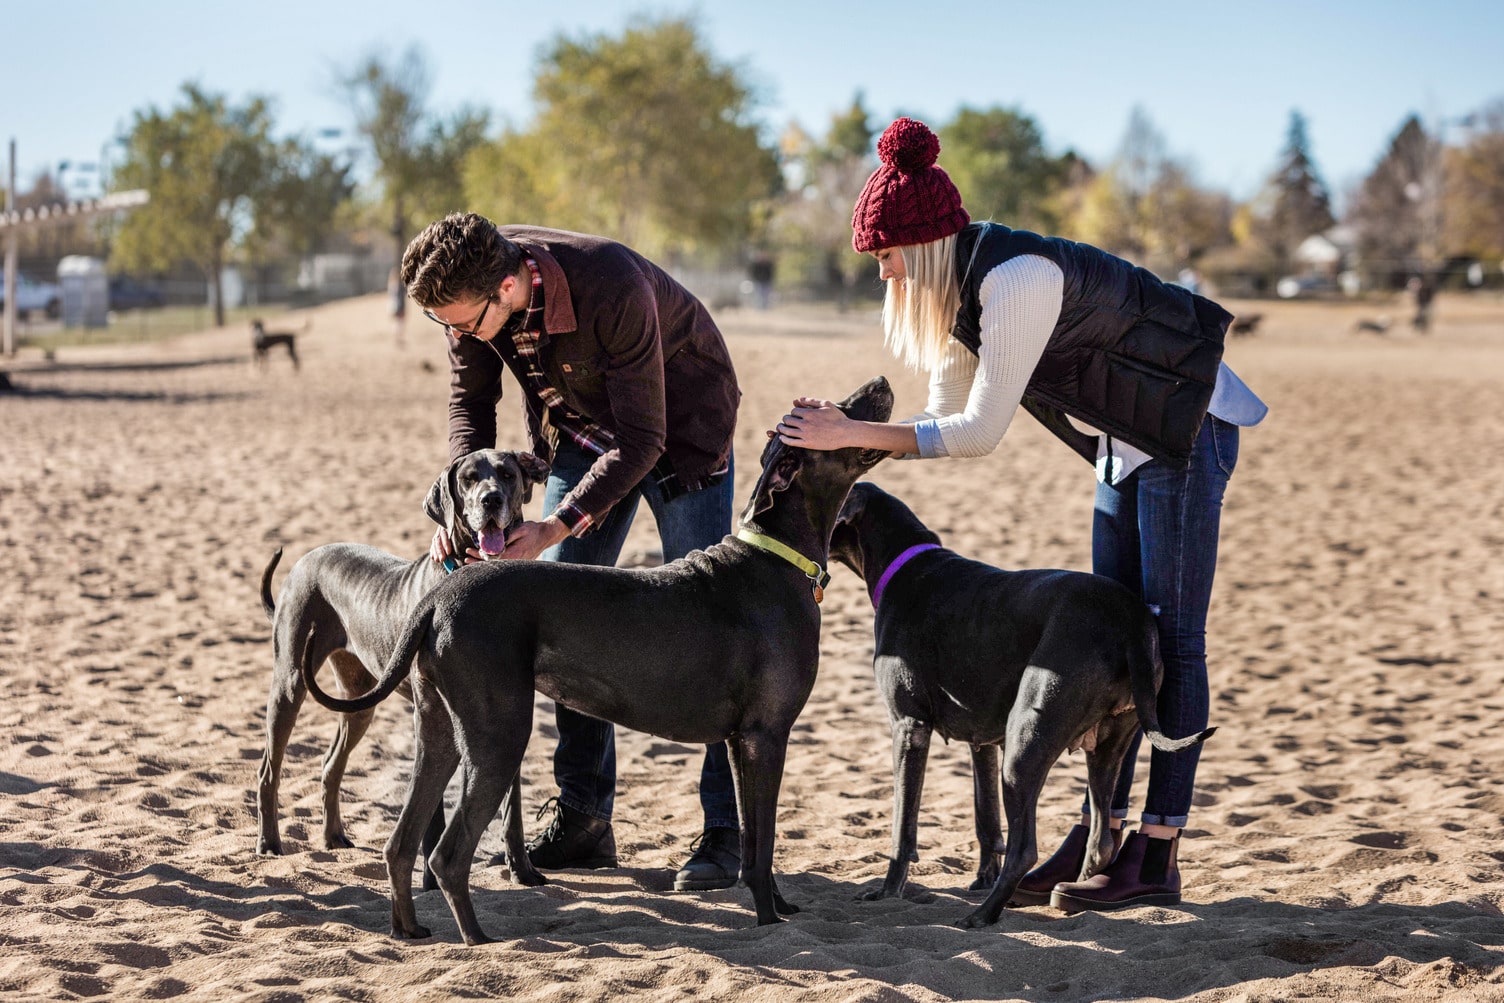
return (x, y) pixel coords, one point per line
(973, 397)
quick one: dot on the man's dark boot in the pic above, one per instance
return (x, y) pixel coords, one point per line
(1144, 873)
(715, 863)
(1065, 865)
(572, 839)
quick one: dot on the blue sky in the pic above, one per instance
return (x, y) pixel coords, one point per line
(1217, 79)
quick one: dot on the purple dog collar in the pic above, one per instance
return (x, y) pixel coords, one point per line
(898, 562)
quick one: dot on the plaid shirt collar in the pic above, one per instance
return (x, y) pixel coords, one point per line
(525, 333)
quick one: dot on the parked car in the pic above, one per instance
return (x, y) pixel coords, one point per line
(32, 295)
(1300, 286)
(127, 293)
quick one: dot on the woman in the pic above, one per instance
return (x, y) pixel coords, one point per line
(1000, 317)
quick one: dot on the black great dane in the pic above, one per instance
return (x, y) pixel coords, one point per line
(355, 599)
(1034, 662)
(726, 644)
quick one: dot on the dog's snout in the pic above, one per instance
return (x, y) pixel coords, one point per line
(492, 499)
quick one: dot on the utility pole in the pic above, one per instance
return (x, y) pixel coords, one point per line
(10, 259)
(13, 222)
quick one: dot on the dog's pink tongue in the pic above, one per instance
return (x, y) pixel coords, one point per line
(493, 540)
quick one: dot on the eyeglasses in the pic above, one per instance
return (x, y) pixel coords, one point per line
(474, 329)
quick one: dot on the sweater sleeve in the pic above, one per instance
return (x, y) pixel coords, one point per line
(1021, 301)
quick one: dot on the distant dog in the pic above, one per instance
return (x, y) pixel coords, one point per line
(263, 342)
(1378, 326)
(1248, 325)
(1026, 663)
(357, 598)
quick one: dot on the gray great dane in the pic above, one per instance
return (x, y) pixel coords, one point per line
(1035, 662)
(726, 642)
(355, 599)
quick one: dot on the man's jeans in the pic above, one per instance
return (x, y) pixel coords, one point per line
(585, 760)
(1156, 532)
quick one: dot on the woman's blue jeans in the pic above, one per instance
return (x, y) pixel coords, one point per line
(585, 760)
(1156, 532)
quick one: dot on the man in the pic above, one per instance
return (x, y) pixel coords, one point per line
(630, 394)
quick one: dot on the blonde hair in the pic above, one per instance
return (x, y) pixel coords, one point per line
(919, 312)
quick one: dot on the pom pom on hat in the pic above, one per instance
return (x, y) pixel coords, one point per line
(909, 146)
(909, 199)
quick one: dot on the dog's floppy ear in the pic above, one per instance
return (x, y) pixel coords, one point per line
(534, 471)
(441, 507)
(778, 473)
(851, 508)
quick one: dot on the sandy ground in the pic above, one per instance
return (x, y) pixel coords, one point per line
(1346, 844)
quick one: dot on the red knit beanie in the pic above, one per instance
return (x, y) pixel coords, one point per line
(908, 200)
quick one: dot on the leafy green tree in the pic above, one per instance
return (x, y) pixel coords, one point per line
(302, 198)
(812, 223)
(997, 159)
(851, 134)
(1295, 203)
(205, 163)
(419, 156)
(643, 136)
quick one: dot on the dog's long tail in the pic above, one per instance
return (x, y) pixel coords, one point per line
(266, 586)
(396, 669)
(1143, 669)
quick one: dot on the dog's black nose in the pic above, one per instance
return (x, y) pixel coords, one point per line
(491, 498)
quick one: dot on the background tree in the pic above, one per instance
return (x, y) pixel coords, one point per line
(205, 163)
(812, 224)
(1295, 203)
(1473, 199)
(299, 206)
(997, 159)
(419, 156)
(1147, 206)
(644, 137)
(1391, 209)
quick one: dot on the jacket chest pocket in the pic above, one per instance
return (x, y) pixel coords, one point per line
(582, 378)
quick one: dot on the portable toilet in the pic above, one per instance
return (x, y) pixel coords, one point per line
(86, 291)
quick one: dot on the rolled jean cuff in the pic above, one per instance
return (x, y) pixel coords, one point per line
(1118, 813)
(583, 808)
(714, 822)
(1173, 821)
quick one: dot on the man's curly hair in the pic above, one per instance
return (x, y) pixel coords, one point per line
(458, 257)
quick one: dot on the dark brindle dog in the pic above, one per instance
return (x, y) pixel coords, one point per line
(725, 644)
(1034, 662)
(356, 598)
(262, 342)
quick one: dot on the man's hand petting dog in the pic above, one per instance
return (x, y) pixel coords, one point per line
(530, 539)
(524, 543)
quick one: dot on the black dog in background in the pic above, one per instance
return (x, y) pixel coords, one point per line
(263, 342)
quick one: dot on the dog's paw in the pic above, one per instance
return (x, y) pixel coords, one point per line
(783, 906)
(975, 921)
(873, 895)
(338, 841)
(268, 848)
(531, 878)
(416, 933)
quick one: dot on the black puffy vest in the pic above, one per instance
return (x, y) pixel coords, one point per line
(1131, 355)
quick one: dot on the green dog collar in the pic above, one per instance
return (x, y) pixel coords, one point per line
(818, 576)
